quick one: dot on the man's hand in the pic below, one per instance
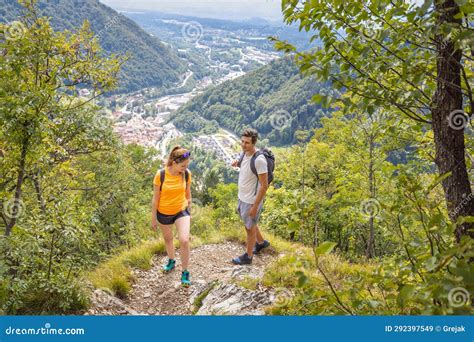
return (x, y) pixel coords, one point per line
(234, 163)
(253, 211)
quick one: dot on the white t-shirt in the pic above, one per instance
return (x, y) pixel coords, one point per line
(248, 180)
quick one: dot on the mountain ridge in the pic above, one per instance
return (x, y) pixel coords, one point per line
(152, 64)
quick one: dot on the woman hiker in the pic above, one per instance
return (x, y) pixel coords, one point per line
(171, 204)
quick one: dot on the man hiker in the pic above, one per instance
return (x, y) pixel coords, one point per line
(252, 188)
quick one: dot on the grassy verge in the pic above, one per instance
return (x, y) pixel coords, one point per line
(115, 274)
(301, 288)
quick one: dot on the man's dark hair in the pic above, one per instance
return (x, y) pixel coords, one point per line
(251, 133)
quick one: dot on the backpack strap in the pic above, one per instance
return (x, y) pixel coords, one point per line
(240, 159)
(254, 168)
(252, 162)
(162, 178)
(186, 177)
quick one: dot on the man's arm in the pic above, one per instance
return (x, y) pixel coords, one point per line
(263, 179)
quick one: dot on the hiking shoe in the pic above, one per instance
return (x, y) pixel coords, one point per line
(169, 266)
(185, 282)
(244, 259)
(259, 246)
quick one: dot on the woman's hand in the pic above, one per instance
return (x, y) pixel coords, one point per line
(154, 224)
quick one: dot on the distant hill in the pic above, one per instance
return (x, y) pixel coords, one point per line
(301, 39)
(152, 63)
(275, 100)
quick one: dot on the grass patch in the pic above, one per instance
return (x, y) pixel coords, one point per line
(249, 283)
(115, 274)
(304, 290)
(199, 299)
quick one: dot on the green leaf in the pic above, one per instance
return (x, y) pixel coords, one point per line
(325, 248)
(465, 219)
(302, 278)
(405, 294)
(318, 98)
(438, 180)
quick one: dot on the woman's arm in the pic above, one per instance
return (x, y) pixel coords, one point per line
(154, 206)
(188, 194)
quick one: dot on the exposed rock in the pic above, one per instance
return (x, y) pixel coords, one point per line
(104, 303)
(230, 299)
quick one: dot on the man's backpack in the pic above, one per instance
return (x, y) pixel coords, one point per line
(162, 177)
(269, 156)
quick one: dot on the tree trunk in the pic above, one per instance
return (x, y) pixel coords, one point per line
(39, 193)
(448, 136)
(370, 252)
(19, 183)
(302, 218)
(316, 229)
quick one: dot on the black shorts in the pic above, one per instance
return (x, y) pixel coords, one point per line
(169, 219)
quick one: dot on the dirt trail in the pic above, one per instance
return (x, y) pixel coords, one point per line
(213, 276)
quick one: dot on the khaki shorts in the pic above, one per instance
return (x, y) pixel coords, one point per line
(243, 209)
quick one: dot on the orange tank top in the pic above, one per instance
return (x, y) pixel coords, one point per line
(173, 193)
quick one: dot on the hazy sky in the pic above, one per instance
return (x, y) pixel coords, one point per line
(223, 9)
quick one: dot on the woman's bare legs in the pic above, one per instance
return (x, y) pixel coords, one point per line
(183, 226)
(168, 237)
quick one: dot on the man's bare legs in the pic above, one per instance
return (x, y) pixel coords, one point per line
(253, 235)
(259, 236)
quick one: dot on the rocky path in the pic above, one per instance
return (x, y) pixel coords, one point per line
(215, 289)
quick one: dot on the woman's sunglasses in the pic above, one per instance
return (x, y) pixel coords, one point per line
(182, 157)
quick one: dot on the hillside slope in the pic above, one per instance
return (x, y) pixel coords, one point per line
(275, 99)
(152, 63)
